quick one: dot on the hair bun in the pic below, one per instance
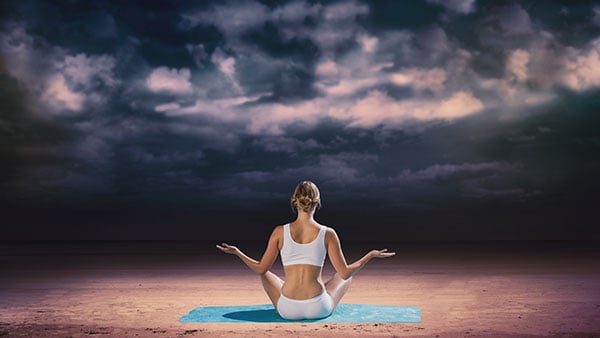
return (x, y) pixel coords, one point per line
(306, 197)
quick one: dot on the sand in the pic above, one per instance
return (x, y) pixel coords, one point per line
(141, 290)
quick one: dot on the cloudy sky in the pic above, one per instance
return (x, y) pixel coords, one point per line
(455, 119)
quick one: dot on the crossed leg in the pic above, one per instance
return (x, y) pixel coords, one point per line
(272, 285)
(337, 288)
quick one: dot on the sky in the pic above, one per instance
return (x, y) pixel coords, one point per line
(418, 120)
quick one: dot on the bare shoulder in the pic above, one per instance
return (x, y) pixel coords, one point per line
(277, 236)
(278, 230)
(330, 233)
(329, 229)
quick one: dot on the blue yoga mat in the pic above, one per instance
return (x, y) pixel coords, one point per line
(265, 313)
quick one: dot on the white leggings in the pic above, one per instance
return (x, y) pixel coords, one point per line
(314, 308)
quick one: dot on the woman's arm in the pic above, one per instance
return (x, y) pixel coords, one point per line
(334, 249)
(267, 259)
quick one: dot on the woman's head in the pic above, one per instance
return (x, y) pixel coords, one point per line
(306, 197)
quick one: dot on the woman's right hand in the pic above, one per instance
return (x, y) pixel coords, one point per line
(381, 253)
(226, 248)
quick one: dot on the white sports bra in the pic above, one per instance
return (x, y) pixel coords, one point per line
(312, 253)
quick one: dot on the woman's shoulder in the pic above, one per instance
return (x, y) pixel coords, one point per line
(277, 233)
(331, 237)
(328, 230)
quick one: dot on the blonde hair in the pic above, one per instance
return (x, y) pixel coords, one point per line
(306, 197)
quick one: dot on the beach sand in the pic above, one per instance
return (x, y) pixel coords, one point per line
(141, 289)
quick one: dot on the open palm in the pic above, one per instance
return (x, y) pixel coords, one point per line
(226, 248)
(382, 253)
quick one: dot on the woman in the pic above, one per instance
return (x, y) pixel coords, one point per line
(303, 245)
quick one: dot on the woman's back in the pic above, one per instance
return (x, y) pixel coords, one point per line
(302, 252)
(303, 245)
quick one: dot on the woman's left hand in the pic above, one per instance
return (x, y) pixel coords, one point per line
(226, 248)
(382, 253)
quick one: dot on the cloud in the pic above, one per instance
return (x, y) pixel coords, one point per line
(339, 173)
(556, 64)
(99, 136)
(167, 107)
(513, 19)
(218, 109)
(344, 168)
(454, 172)
(420, 79)
(295, 12)
(470, 180)
(505, 27)
(432, 39)
(174, 81)
(198, 53)
(27, 59)
(86, 71)
(228, 103)
(226, 65)
(359, 70)
(327, 70)
(232, 19)
(91, 78)
(360, 87)
(582, 70)
(524, 83)
(460, 104)
(377, 108)
(60, 97)
(337, 24)
(343, 80)
(458, 6)
(59, 83)
(368, 43)
(517, 64)
(349, 86)
(333, 24)
(274, 117)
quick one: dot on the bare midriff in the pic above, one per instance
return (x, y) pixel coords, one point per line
(302, 281)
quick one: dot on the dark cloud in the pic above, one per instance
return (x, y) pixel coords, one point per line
(424, 120)
(28, 140)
